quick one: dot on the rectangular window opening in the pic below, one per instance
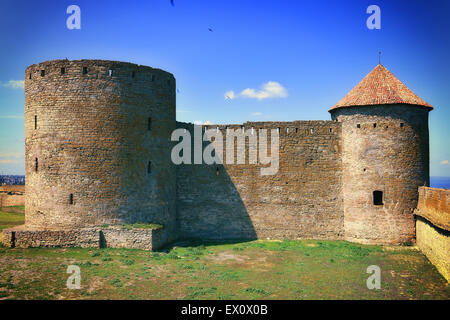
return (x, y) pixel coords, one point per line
(378, 198)
(358, 126)
(71, 198)
(374, 125)
(110, 73)
(149, 167)
(149, 125)
(133, 74)
(36, 164)
(401, 124)
(85, 70)
(63, 70)
(35, 122)
(42, 73)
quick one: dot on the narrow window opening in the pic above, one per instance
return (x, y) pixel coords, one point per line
(85, 70)
(378, 198)
(278, 130)
(149, 124)
(71, 198)
(63, 70)
(35, 122)
(331, 130)
(311, 130)
(149, 167)
(153, 77)
(30, 75)
(133, 74)
(287, 130)
(36, 164)
(296, 130)
(358, 126)
(42, 73)
(217, 171)
(401, 125)
(374, 125)
(110, 73)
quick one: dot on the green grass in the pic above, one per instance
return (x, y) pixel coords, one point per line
(132, 226)
(247, 270)
(11, 216)
(142, 226)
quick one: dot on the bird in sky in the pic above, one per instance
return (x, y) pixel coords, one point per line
(211, 30)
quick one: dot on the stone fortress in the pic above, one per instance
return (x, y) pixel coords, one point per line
(98, 146)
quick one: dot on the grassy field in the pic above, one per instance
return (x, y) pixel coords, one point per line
(11, 216)
(246, 270)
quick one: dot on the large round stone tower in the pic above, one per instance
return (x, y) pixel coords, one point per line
(97, 144)
(385, 158)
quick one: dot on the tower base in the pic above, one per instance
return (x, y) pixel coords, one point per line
(108, 237)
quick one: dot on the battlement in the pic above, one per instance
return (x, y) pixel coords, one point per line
(61, 70)
(285, 128)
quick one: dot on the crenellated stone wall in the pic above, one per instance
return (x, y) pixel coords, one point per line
(302, 200)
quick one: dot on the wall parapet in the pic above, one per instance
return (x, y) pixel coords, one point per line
(432, 227)
(434, 206)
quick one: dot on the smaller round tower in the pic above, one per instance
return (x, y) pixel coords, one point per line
(385, 158)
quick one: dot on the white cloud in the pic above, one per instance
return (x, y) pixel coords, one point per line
(14, 84)
(11, 157)
(199, 123)
(256, 114)
(183, 111)
(271, 89)
(229, 95)
(444, 162)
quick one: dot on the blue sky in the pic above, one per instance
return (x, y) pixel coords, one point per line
(312, 52)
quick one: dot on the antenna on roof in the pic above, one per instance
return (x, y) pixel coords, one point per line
(379, 57)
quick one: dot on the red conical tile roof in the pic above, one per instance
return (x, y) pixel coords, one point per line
(380, 86)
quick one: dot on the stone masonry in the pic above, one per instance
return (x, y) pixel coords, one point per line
(433, 227)
(98, 152)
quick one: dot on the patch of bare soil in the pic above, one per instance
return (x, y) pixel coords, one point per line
(228, 256)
